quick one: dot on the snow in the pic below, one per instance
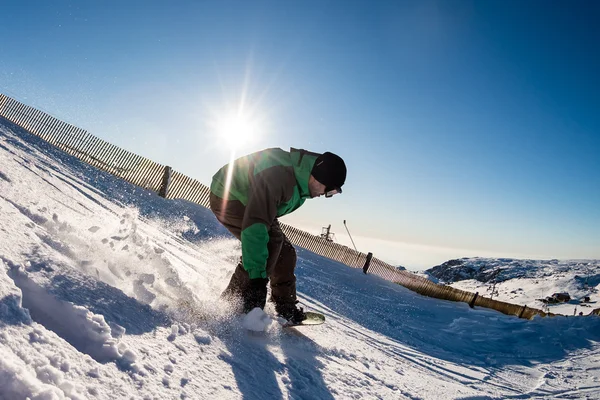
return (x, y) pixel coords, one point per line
(108, 291)
(257, 320)
(525, 282)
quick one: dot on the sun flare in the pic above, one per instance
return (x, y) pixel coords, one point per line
(237, 129)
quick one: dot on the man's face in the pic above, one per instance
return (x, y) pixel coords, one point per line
(315, 187)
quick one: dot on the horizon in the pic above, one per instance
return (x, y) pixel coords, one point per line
(419, 258)
(466, 127)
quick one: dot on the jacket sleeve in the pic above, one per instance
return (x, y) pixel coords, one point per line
(268, 189)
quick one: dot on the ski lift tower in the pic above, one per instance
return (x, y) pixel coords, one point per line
(327, 234)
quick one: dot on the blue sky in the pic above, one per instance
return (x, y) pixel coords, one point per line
(467, 126)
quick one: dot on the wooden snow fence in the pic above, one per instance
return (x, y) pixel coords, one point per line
(171, 184)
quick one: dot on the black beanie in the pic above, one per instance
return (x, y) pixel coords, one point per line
(330, 170)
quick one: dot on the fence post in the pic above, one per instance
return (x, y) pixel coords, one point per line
(165, 182)
(522, 311)
(367, 262)
(472, 302)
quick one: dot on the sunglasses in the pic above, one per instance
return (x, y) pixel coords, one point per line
(329, 192)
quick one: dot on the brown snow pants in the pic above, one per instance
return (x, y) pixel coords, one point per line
(282, 255)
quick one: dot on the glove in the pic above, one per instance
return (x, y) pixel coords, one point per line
(256, 294)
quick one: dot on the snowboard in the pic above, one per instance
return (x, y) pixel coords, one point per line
(312, 318)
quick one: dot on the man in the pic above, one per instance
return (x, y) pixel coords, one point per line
(247, 196)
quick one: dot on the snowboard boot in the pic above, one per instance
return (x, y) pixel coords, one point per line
(290, 312)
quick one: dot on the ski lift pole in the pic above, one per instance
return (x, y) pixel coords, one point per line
(369, 256)
(355, 249)
(350, 235)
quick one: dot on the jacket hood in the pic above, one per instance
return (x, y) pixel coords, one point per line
(303, 162)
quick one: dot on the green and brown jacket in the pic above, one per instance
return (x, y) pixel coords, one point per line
(269, 183)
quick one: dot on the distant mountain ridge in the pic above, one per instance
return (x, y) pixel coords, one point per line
(525, 282)
(503, 269)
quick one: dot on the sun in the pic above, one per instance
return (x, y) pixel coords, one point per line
(237, 129)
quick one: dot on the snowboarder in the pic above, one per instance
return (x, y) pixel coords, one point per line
(247, 196)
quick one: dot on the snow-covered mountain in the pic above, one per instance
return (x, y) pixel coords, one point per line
(526, 282)
(108, 291)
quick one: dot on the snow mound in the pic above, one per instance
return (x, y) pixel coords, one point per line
(257, 320)
(84, 330)
(11, 310)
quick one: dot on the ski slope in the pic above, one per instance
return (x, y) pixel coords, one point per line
(108, 291)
